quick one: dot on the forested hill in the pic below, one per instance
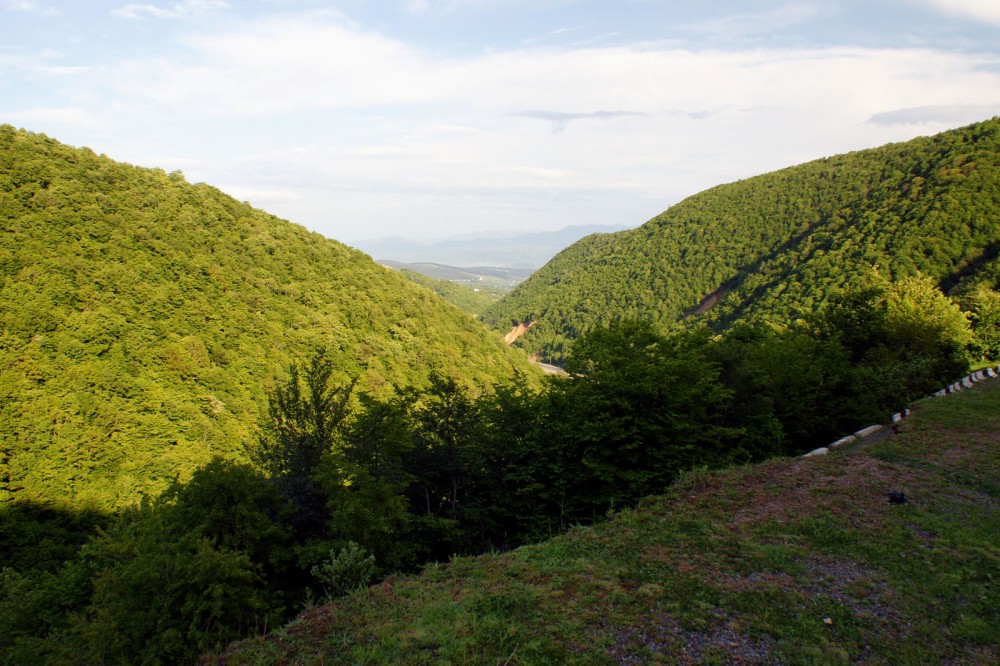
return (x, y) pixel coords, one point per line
(142, 319)
(777, 246)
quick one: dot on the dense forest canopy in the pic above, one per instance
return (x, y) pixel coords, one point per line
(777, 247)
(142, 319)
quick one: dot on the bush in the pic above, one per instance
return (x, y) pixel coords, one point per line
(347, 569)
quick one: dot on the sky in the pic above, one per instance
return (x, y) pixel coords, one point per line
(429, 119)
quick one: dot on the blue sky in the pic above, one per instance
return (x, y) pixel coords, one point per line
(437, 118)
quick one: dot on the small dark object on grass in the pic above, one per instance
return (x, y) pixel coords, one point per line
(895, 428)
(896, 497)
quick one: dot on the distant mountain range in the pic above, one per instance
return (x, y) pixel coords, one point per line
(489, 277)
(519, 250)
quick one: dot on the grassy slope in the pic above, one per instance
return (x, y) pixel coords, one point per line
(791, 561)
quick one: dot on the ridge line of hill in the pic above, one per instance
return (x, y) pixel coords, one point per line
(778, 246)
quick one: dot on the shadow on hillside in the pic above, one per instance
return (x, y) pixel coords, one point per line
(719, 294)
(990, 253)
(39, 536)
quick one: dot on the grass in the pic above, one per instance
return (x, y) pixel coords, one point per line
(798, 561)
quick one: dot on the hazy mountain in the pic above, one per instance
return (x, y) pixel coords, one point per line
(523, 250)
(491, 277)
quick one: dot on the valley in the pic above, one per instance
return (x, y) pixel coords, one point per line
(214, 422)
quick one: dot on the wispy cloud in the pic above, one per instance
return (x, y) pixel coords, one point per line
(184, 9)
(551, 35)
(42, 116)
(979, 10)
(341, 127)
(748, 23)
(260, 197)
(30, 6)
(449, 6)
(63, 70)
(560, 120)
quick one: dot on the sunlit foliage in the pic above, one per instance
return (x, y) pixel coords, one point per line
(143, 319)
(777, 247)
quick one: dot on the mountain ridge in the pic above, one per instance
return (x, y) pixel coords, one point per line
(778, 245)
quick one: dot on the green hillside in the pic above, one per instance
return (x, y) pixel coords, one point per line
(143, 318)
(777, 246)
(793, 561)
(470, 299)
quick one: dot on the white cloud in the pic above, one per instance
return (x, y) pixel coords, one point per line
(284, 64)
(259, 197)
(63, 70)
(742, 24)
(183, 9)
(417, 6)
(980, 10)
(439, 7)
(30, 6)
(343, 129)
(560, 119)
(70, 116)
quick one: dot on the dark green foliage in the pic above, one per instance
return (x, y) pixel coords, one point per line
(42, 537)
(790, 390)
(902, 339)
(982, 304)
(778, 246)
(642, 408)
(168, 602)
(366, 483)
(445, 425)
(305, 416)
(142, 319)
(37, 609)
(206, 562)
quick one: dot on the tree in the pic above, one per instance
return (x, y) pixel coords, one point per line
(306, 417)
(903, 337)
(921, 320)
(642, 407)
(982, 306)
(367, 483)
